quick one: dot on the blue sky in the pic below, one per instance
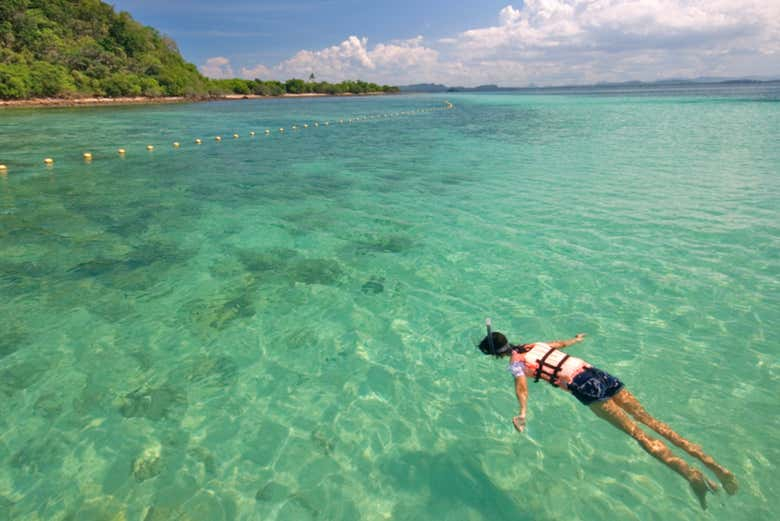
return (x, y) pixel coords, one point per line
(271, 32)
(461, 42)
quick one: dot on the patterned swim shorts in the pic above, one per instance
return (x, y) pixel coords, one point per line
(594, 385)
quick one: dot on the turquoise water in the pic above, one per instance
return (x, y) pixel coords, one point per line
(283, 326)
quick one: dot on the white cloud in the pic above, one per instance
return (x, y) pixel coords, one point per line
(509, 15)
(217, 67)
(396, 62)
(258, 71)
(580, 41)
(350, 55)
(564, 29)
(561, 41)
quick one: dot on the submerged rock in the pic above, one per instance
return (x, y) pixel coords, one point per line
(323, 443)
(163, 513)
(373, 286)
(153, 403)
(96, 267)
(220, 312)
(17, 278)
(298, 508)
(205, 457)
(218, 371)
(272, 492)
(12, 338)
(21, 376)
(141, 268)
(38, 454)
(316, 271)
(104, 508)
(5, 507)
(286, 264)
(390, 243)
(149, 464)
(239, 307)
(49, 405)
(260, 262)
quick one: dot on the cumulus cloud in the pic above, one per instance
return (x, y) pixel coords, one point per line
(617, 25)
(560, 41)
(258, 71)
(393, 62)
(217, 67)
(618, 37)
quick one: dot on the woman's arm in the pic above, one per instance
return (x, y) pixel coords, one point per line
(521, 390)
(562, 344)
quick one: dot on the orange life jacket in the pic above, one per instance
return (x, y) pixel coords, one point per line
(552, 365)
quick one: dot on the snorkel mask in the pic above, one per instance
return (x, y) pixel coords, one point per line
(495, 351)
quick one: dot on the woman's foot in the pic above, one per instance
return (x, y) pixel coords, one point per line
(729, 481)
(700, 486)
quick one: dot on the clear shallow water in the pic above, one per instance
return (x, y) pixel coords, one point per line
(282, 327)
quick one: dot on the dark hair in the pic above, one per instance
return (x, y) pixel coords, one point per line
(499, 341)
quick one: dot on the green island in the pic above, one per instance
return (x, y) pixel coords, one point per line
(84, 48)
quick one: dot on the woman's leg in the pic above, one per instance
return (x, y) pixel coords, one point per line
(610, 411)
(630, 404)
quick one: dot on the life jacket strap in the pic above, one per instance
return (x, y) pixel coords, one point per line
(541, 365)
(552, 375)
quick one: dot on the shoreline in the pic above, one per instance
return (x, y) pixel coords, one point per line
(142, 100)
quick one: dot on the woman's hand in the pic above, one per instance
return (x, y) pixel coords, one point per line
(579, 337)
(519, 422)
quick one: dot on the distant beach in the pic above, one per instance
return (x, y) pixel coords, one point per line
(143, 100)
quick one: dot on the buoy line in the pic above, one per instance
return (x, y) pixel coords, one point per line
(88, 156)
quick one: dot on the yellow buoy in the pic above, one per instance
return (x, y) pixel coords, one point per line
(294, 127)
(149, 147)
(218, 138)
(305, 125)
(87, 156)
(198, 141)
(281, 130)
(252, 133)
(121, 151)
(3, 168)
(316, 124)
(176, 144)
(267, 131)
(235, 136)
(48, 161)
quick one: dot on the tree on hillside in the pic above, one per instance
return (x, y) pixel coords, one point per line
(83, 47)
(295, 86)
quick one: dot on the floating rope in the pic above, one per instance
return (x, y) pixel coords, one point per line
(88, 157)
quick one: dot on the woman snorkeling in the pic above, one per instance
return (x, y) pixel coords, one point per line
(607, 398)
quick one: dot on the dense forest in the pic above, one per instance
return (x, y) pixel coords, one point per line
(83, 48)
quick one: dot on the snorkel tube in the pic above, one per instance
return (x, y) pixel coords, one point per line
(491, 344)
(490, 337)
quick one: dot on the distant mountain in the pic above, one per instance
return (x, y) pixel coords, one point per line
(480, 88)
(434, 87)
(424, 87)
(685, 81)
